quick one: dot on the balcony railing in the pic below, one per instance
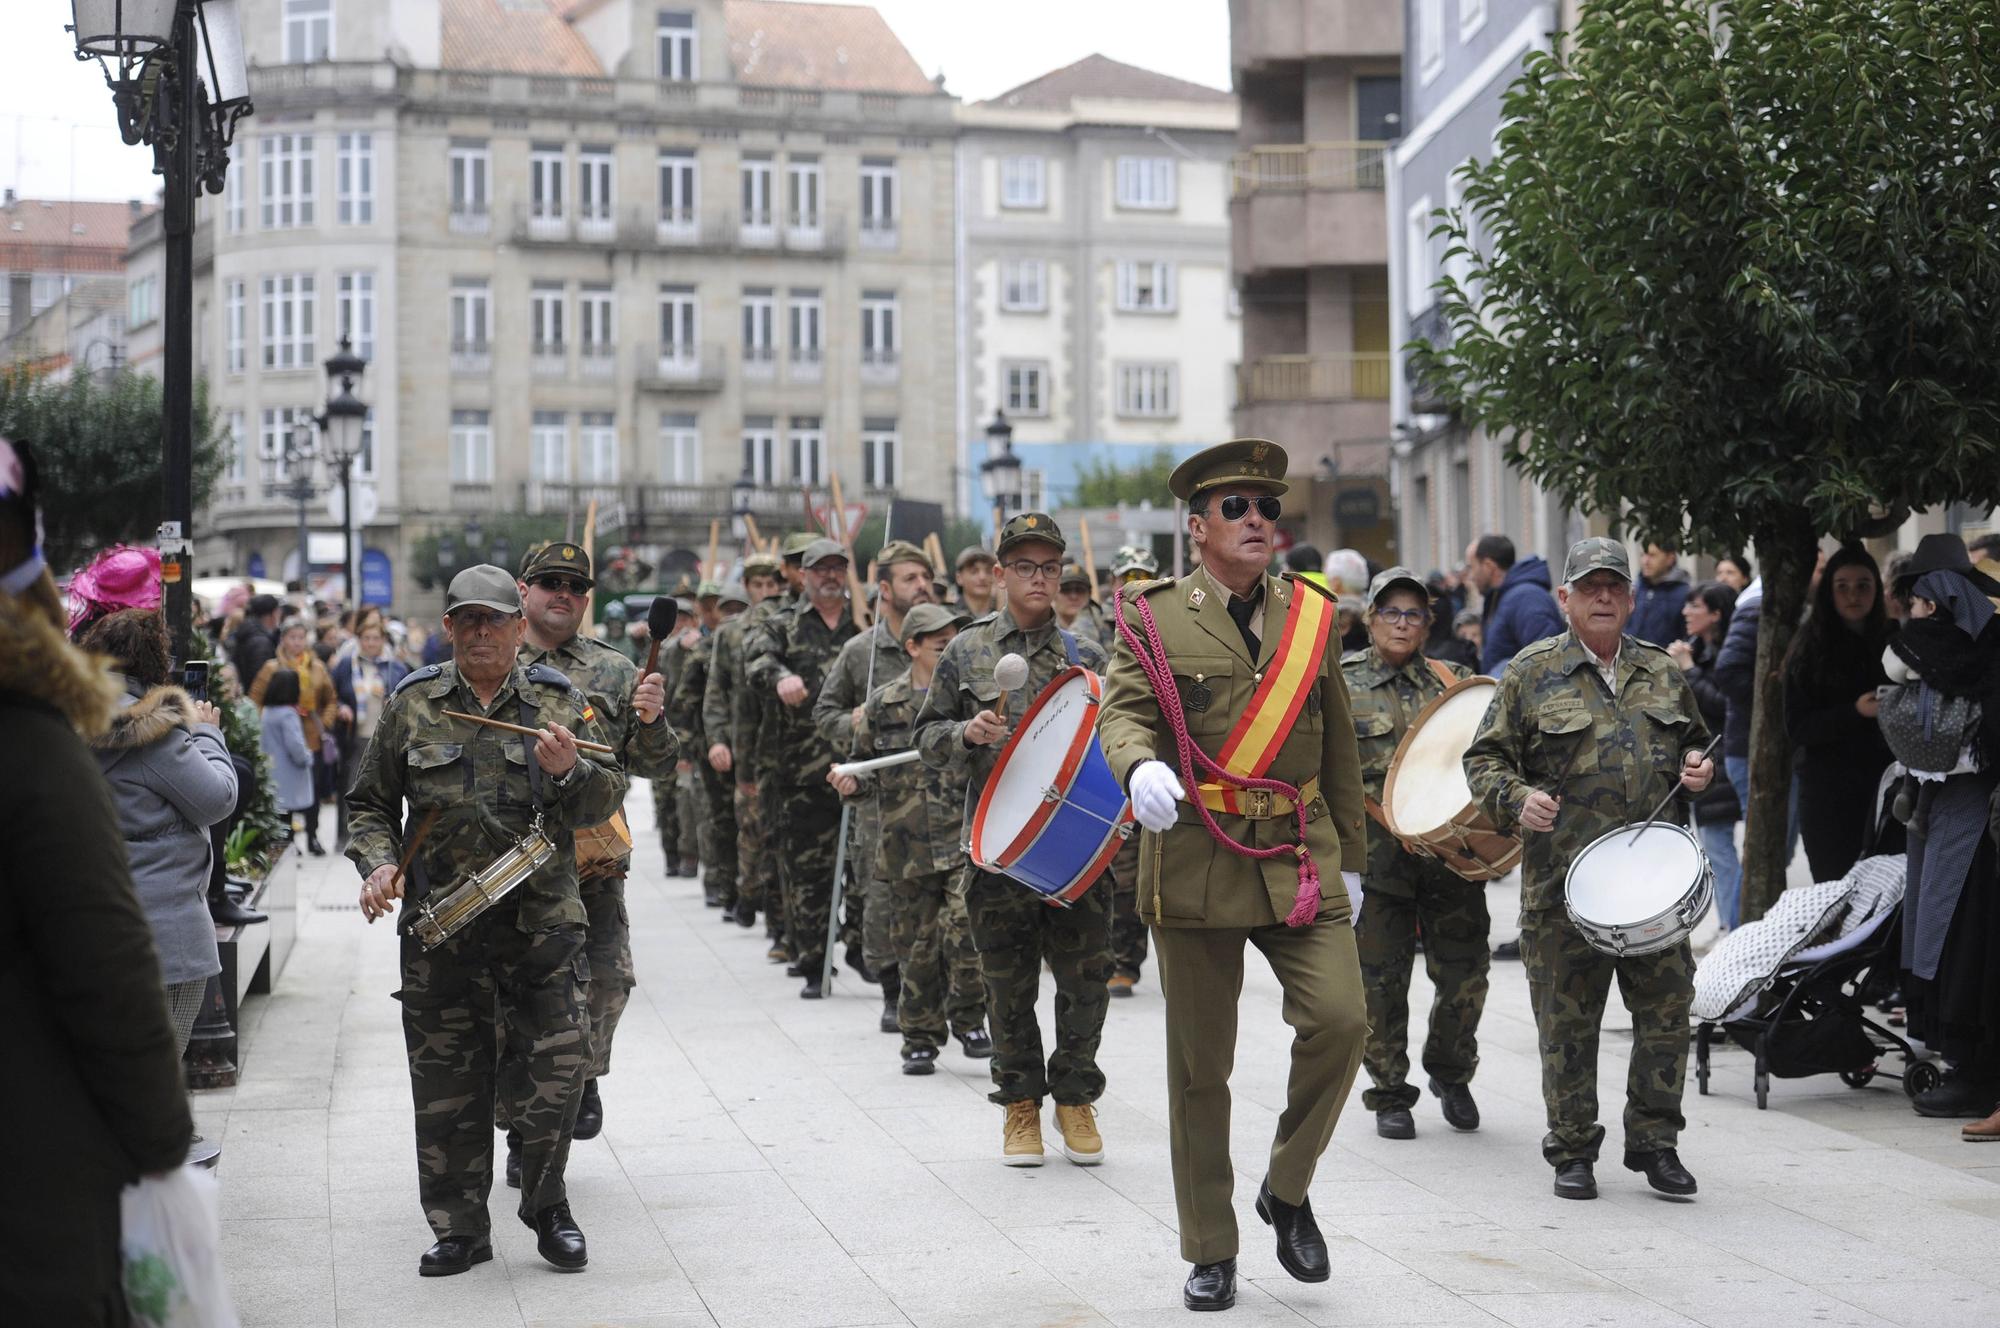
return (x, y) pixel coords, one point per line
(471, 497)
(1326, 377)
(551, 360)
(760, 361)
(680, 367)
(471, 357)
(1298, 167)
(540, 497)
(879, 233)
(880, 365)
(598, 359)
(805, 364)
(1425, 396)
(471, 220)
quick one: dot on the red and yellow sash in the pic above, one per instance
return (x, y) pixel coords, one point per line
(1288, 680)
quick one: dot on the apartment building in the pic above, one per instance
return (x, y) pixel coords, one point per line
(47, 248)
(591, 249)
(1099, 315)
(1319, 83)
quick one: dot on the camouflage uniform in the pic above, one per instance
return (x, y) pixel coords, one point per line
(1128, 929)
(1013, 928)
(517, 974)
(1093, 625)
(870, 660)
(1408, 894)
(799, 641)
(718, 819)
(670, 804)
(724, 694)
(1555, 726)
(752, 720)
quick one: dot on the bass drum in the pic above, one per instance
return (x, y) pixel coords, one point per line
(1639, 897)
(1426, 801)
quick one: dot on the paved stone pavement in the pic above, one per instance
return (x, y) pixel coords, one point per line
(765, 1165)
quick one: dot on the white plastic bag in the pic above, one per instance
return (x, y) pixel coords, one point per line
(172, 1244)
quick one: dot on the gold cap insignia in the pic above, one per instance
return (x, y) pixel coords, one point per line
(569, 551)
(1258, 451)
(1031, 521)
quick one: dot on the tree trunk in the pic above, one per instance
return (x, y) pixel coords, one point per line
(1788, 553)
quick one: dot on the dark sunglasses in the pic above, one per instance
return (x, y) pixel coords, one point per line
(1237, 506)
(561, 585)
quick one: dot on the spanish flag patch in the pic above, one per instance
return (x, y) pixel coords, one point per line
(589, 712)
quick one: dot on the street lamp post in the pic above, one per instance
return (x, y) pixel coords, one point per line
(1000, 473)
(741, 495)
(290, 474)
(177, 75)
(344, 422)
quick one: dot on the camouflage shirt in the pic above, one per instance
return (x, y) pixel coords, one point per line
(478, 780)
(718, 696)
(867, 662)
(602, 672)
(1555, 726)
(1384, 703)
(919, 803)
(757, 719)
(684, 704)
(796, 641)
(1093, 624)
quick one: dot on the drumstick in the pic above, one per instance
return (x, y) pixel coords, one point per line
(873, 763)
(532, 733)
(1672, 789)
(1010, 671)
(410, 852)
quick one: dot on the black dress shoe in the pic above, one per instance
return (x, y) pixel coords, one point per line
(795, 970)
(919, 1060)
(1460, 1111)
(812, 991)
(977, 1044)
(1396, 1123)
(514, 1159)
(1956, 1097)
(314, 847)
(454, 1254)
(1301, 1249)
(226, 912)
(589, 1113)
(558, 1239)
(1664, 1171)
(744, 914)
(1575, 1181)
(1507, 950)
(1211, 1286)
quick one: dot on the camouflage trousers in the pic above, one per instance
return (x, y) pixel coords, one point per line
(1015, 931)
(942, 990)
(608, 945)
(667, 815)
(687, 812)
(757, 858)
(1569, 984)
(718, 833)
(1128, 931)
(488, 990)
(808, 835)
(1450, 913)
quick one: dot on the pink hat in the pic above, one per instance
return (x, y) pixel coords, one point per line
(122, 577)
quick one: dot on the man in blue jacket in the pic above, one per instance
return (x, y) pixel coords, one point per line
(1519, 608)
(1657, 599)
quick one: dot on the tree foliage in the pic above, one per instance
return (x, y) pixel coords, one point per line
(98, 442)
(1731, 275)
(1104, 483)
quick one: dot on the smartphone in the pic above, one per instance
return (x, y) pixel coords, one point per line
(194, 679)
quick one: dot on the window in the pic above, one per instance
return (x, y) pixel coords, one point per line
(806, 313)
(1145, 182)
(545, 191)
(1034, 489)
(677, 46)
(596, 315)
(364, 460)
(760, 449)
(595, 192)
(471, 168)
(288, 306)
(354, 179)
(276, 430)
(286, 181)
(878, 454)
(679, 326)
(879, 202)
(471, 447)
(803, 181)
(236, 468)
(308, 31)
(235, 325)
(1145, 287)
(678, 198)
(760, 311)
(680, 448)
(142, 302)
(232, 189)
(1024, 386)
(808, 449)
(1430, 38)
(1024, 285)
(547, 305)
(548, 447)
(354, 310)
(597, 448)
(1147, 391)
(1023, 182)
(880, 337)
(1417, 268)
(756, 181)
(471, 326)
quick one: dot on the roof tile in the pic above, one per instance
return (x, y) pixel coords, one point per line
(514, 37)
(844, 48)
(1099, 76)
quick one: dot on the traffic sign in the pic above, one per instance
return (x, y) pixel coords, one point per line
(830, 517)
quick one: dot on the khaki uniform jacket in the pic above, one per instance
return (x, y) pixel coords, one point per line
(1186, 879)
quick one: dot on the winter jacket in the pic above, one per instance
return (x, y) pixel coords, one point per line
(251, 647)
(98, 1099)
(171, 778)
(291, 760)
(1735, 670)
(393, 671)
(318, 704)
(1656, 607)
(1519, 612)
(1718, 803)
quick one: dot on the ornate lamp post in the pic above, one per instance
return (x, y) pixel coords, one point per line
(289, 474)
(1000, 473)
(343, 425)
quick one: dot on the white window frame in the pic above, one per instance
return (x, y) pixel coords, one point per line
(276, 427)
(285, 179)
(596, 193)
(364, 459)
(805, 331)
(678, 46)
(680, 331)
(142, 302)
(234, 210)
(548, 447)
(756, 179)
(597, 447)
(760, 329)
(805, 450)
(680, 447)
(1471, 17)
(1418, 270)
(288, 305)
(881, 459)
(354, 179)
(1149, 184)
(1024, 388)
(881, 201)
(1024, 285)
(597, 330)
(1148, 390)
(760, 450)
(1146, 286)
(471, 325)
(1024, 181)
(881, 331)
(469, 173)
(548, 193)
(354, 310)
(680, 196)
(236, 326)
(548, 318)
(1430, 39)
(805, 202)
(308, 31)
(471, 447)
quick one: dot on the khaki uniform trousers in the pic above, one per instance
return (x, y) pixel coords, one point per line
(1201, 975)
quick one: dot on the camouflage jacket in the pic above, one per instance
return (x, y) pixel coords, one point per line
(920, 805)
(602, 672)
(1554, 726)
(1094, 624)
(870, 660)
(964, 686)
(1384, 703)
(478, 780)
(684, 703)
(757, 718)
(718, 696)
(796, 641)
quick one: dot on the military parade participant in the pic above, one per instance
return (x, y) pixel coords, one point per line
(790, 655)
(1411, 895)
(1243, 666)
(1128, 930)
(871, 659)
(974, 571)
(676, 838)
(1587, 732)
(941, 991)
(1014, 929)
(1076, 611)
(516, 973)
(718, 604)
(759, 713)
(618, 636)
(731, 751)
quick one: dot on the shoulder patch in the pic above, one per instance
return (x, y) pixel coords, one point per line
(422, 675)
(1293, 578)
(985, 618)
(1355, 657)
(1541, 647)
(549, 676)
(1150, 587)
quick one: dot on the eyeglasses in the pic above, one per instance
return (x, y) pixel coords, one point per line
(1401, 617)
(1028, 571)
(562, 585)
(1237, 506)
(478, 620)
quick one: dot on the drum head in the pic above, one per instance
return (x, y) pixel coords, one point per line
(1427, 788)
(1012, 806)
(1617, 883)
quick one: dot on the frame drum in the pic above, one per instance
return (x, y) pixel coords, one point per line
(1426, 800)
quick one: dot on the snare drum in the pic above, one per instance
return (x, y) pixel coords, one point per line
(1052, 815)
(1639, 898)
(1426, 801)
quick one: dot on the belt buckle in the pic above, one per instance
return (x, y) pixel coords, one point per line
(1259, 807)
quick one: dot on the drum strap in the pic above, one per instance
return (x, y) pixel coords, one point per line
(1443, 671)
(1069, 647)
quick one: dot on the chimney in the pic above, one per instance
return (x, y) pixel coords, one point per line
(20, 299)
(10, 198)
(135, 206)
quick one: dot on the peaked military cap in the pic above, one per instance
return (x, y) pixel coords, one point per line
(708, 590)
(1073, 575)
(733, 593)
(556, 556)
(797, 543)
(1039, 526)
(485, 587)
(1132, 558)
(768, 563)
(972, 553)
(615, 611)
(1599, 553)
(820, 550)
(1241, 461)
(924, 619)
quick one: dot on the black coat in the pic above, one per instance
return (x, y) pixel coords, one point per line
(1718, 803)
(1840, 753)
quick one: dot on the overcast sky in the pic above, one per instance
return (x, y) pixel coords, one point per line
(59, 138)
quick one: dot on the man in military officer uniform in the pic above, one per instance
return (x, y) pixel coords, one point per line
(731, 751)
(517, 973)
(1015, 930)
(1388, 685)
(873, 659)
(1076, 611)
(1222, 632)
(1587, 732)
(718, 605)
(1129, 566)
(790, 656)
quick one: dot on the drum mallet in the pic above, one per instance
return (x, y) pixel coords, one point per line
(1011, 672)
(856, 769)
(1647, 824)
(661, 615)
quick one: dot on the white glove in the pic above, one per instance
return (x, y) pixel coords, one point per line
(1352, 880)
(1155, 790)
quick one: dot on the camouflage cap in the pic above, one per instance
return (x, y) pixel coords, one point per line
(973, 553)
(1241, 461)
(796, 543)
(1073, 575)
(1390, 578)
(901, 551)
(556, 556)
(1132, 558)
(708, 590)
(732, 592)
(684, 607)
(1599, 553)
(767, 564)
(484, 586)
(820, 550)
(1037, 526)
(927, 618)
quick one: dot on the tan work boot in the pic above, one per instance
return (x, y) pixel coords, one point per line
(1983, 1131)
(1022, 1135)
(1082, 1144)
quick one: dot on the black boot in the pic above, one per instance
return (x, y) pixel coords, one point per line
(977, 1044)
(1956, 1097)
(1574, 1180)
(1211, 1286)
(514, 1159)
(1664, 1171)
(1396, 1123)
(1301, 1248)
(745, 913)
(313, 845)
(558, 1239)
(453, 1254)
(589, 1113)
(224, 911)
(1460, 1111)
(892, 988)
(859, 964)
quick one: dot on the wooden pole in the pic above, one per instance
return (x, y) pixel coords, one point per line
(1089, 558)
(714, 538)
(935, 548)
(589, 627)
(999, 520)
(750, 527)
(857, 593)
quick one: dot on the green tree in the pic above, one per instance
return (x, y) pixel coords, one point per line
(1103, 483)
(98, 444)
(1739, 283)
